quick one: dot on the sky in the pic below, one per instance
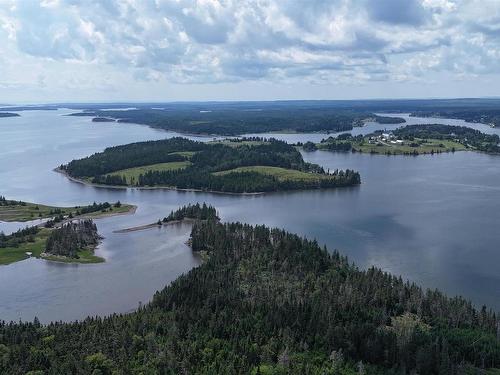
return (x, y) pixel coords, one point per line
(172, 50)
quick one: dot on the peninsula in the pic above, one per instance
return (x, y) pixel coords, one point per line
(12, 210)
(412, 140)
(249, 165)
(71, 242)
(68, 236)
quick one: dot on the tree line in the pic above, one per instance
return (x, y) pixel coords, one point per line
(19, 237)
(192, 211)
(8, 202)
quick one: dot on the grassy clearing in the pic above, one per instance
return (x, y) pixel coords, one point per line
(124, 208)
(86, 256)
(132, 174)
(14, 254)
(425, 146)
(280, 173)
(230, 143)
(186, 154)
(31, 211)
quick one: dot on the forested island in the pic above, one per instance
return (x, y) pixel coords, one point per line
(412, 140)
(248, 165)
(244, 117)
(9, 114)
(103, 119)
(266, 301)
(12, 210)
(71, 242)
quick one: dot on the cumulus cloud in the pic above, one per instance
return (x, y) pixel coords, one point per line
(217, 41)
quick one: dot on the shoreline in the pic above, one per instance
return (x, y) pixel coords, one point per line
(80, 181)
(258, 193)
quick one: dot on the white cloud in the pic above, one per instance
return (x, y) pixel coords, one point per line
(108, 43)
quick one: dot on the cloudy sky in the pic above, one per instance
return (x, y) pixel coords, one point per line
(164, 50)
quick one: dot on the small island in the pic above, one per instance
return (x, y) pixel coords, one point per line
(9, 114)
(103, 119)
(248, 165)
(412, 140)
(12, 210)
(71, 242)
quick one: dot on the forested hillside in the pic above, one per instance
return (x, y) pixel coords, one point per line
(208, 166)
(267, 302)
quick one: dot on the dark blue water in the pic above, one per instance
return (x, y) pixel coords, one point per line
(432, 219)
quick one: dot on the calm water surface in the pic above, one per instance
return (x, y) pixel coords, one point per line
(432, 219)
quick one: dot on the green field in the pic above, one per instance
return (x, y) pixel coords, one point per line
(280, 173)
(30, 211)
(26, 211)
(86, 257)
(132, 174)
(230, 143)
(186, 154)
(124, 208)
(14, 254)
(427, 147)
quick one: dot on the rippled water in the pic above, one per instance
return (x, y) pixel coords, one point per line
(432, 219)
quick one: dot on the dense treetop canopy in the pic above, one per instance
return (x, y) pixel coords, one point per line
(270, 302)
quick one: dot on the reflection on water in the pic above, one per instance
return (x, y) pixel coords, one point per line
(432, 219)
